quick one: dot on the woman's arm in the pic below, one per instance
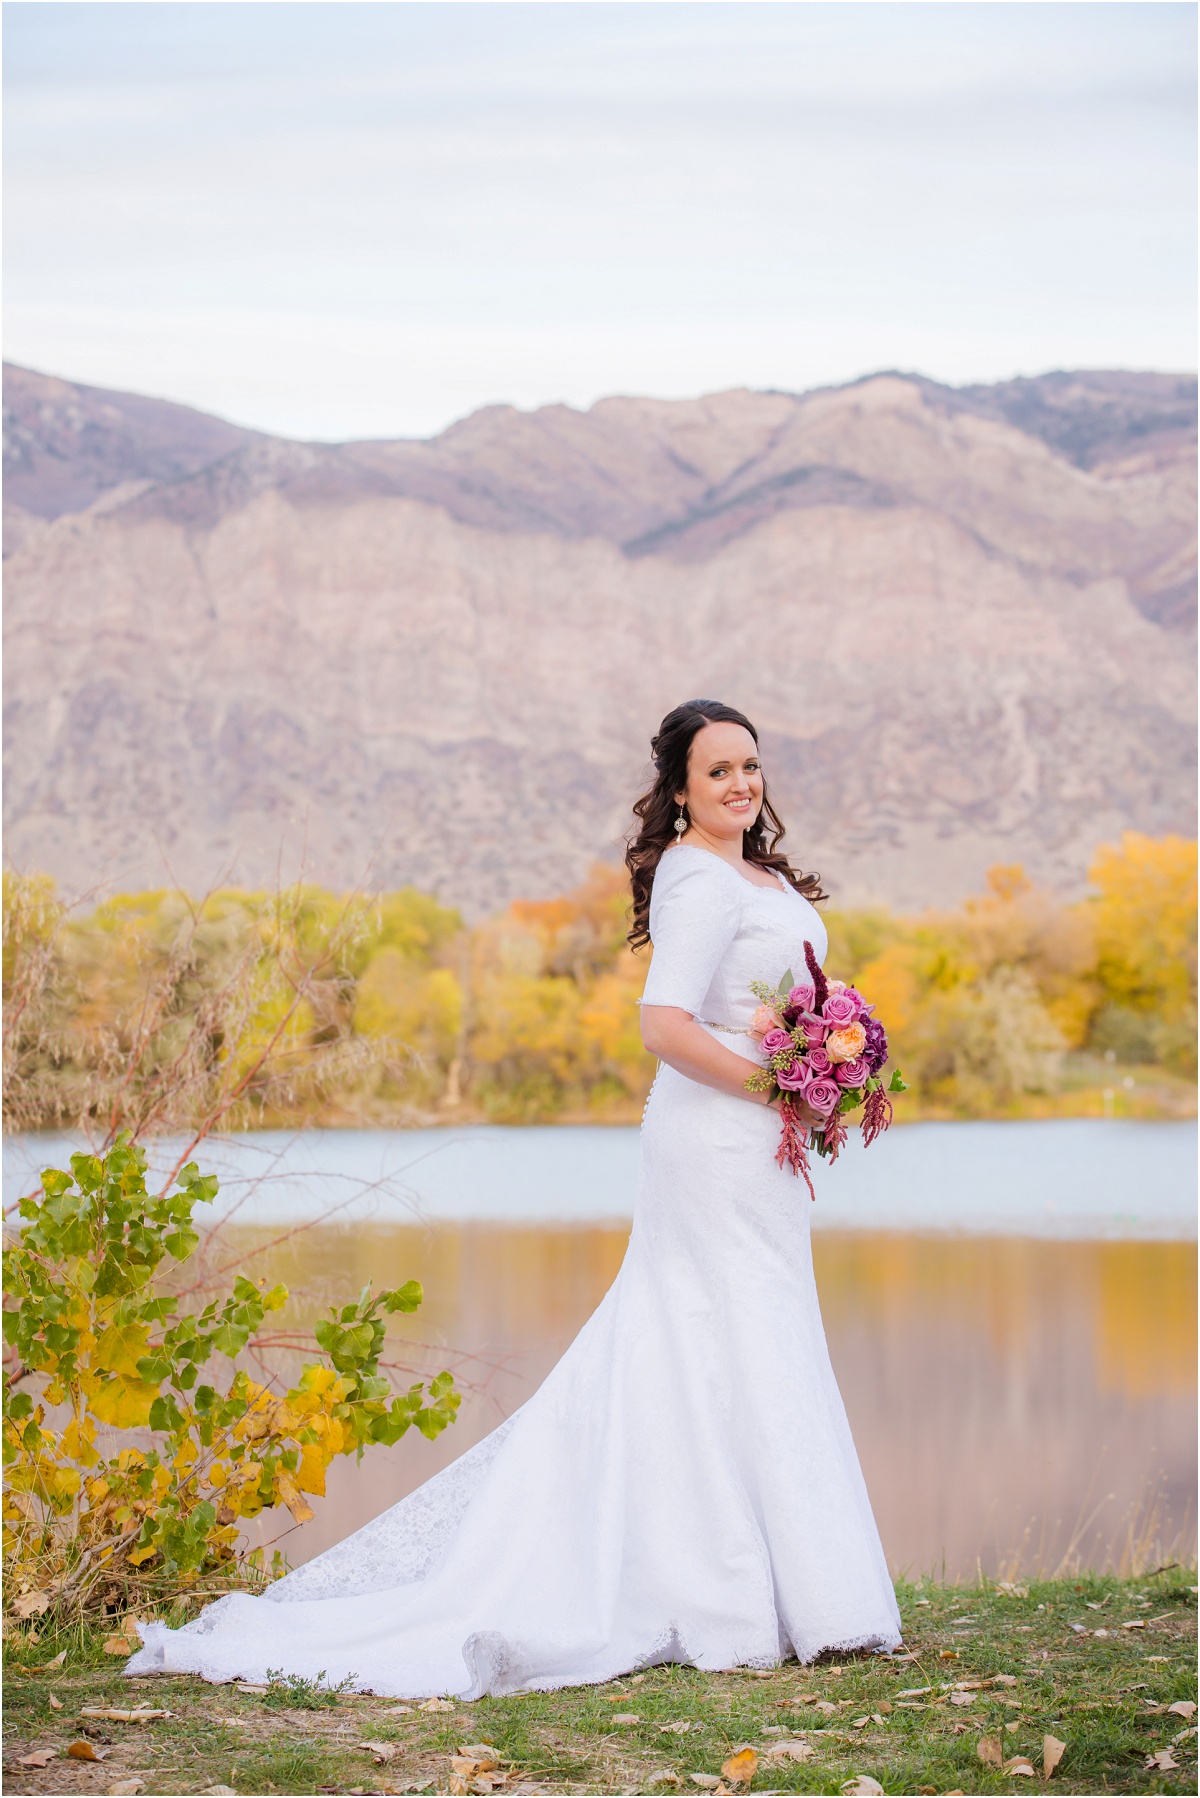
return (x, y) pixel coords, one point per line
(675, 1037)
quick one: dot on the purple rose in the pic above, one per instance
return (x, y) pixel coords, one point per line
(823, 1095)
(875, 1050)
(839, 1009)
(852, 1073)
(803, 997)
(818, 1062)
(775, 1040)
(852, 992)
(815, 1029)
(792, 1078)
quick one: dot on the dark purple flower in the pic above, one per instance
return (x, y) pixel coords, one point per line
(875, 1050)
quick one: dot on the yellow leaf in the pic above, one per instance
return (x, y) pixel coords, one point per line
(310, 1475)
(125, 1403)
(121, 1347)
(77, 1439)
(741, 1767)
(218, 1473)
(287, 1490)
(56, 1704)
(1018, 1765)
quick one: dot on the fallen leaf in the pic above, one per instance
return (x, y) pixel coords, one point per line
(862, 1787)
(627, 1717)
(436, 1704)
(41, 1757)
(83, 1751)
(708, 1781)
(1052, 1752)
(1011, 1591)
(218, 1792)
(829, 1710)
(1182, 1707)
(58, 1659)
(126, 1788)
(1135, 1623)
(235, 1722)
(1004, 1679)
(924, 1601)
(31, 1604)
(673, 1729)
(120, 1643)
(790, 1751)
(1011, 1728)
(1163, 1761)
(383, 1751)
(245, 1686)
(741, 1767)
(1018, 1765)
(1100, 1632)
(962, 1698)
(988, 1750)
(947, 1654)
(914, 1692)
(400, 1710)
(860, 1722)
(56, 1704)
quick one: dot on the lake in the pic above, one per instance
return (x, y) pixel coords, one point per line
(1011, 1308)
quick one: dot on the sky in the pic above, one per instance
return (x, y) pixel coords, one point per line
(333, 219)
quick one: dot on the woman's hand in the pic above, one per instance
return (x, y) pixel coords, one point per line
(812, 1120)
(676, 1038)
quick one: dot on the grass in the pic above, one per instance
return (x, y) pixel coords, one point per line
(1104, 1695)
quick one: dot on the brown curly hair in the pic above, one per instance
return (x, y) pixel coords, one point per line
(656, 811)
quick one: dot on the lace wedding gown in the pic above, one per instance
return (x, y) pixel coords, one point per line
(684, 1485)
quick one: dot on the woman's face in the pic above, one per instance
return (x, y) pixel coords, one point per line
(724, 791)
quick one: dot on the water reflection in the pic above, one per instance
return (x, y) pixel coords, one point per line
(1014, 1400)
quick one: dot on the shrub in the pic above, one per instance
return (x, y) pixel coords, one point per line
(127, 1455)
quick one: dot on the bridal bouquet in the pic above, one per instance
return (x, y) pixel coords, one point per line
(824, 1049)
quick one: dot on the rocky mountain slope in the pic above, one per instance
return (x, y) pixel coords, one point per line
(962, 618)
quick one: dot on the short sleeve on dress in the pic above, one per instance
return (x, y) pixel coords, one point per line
(695, 911)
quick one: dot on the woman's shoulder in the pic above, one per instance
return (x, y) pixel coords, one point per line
(684, 864)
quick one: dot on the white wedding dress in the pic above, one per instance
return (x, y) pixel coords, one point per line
(684, 1485)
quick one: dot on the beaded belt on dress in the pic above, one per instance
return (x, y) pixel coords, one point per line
(729, 1029)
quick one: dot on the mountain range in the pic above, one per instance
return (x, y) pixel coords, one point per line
(963, 618)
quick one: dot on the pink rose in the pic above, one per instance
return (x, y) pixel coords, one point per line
(839, 1009)
(823, 1095)
(818, 1062)
(852, 992)
(792, 1078)
(802, 997)
(775, 1040)
(815, 1029)
(852, 1073)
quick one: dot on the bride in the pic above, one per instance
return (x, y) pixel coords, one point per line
(684, 1486)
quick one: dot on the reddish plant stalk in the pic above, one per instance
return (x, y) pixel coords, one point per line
(820, 984)
(877, 1115)
(793, 1145)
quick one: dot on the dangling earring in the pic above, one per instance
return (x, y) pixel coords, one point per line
(680, 825)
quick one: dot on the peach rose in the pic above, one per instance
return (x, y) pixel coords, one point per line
(764, 1019)
(846, 1043)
